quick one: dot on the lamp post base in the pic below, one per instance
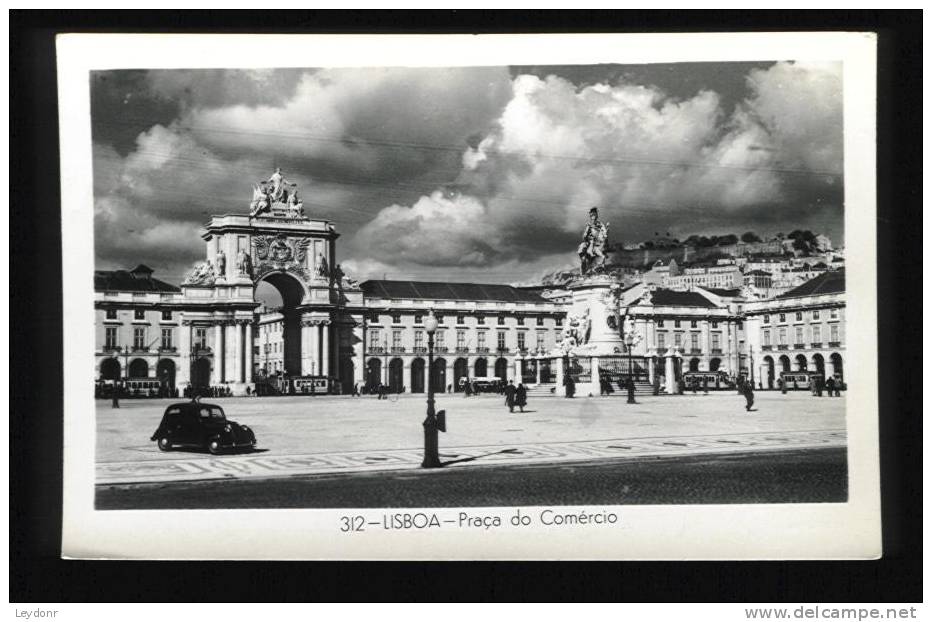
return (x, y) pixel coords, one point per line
(431, 447)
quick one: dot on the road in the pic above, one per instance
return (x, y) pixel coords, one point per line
(792, 476)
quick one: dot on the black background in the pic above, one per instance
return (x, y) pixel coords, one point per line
(37, 574)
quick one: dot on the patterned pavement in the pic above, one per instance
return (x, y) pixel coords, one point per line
(255, 465)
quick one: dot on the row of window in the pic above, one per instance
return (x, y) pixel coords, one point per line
(815, 315)
(138, 314)
(715, 341)
(460, 319)
(140, 342)
(799, 333)
(694, 324)
(440, 341)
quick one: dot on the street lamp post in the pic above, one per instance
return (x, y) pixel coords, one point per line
(431, 425)
(629, 342)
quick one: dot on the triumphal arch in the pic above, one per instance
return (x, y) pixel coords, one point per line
(277, 243)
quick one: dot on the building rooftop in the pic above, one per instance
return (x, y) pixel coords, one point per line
(757, 273)
(673, 298)
(139, 279)
(426, 290)
(828, 283)
(724, 293)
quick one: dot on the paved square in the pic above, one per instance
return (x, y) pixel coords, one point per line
(343, 434)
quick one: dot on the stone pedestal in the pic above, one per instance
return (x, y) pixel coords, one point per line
(593, 307)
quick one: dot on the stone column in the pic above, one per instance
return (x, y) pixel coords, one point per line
(238, 353)
(359, 352)
(706, 343)
(250, 349)
(230, 346)
(325, 348)
(517, 374)
(561, 390)
(650, 367)
(183, 373)
(594, 364)
(219, 359)
(670, 374)
(537, 369)
(308, 347)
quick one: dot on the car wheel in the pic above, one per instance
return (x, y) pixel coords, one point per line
(165, 443)
(213, 446)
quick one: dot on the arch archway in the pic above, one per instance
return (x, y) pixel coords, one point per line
(460, 370)
(138, 368)
(438, 375)
(373, 374)
(283, 293)
(818, 363)
(110, 369)
(165, 372)
(714, 364)
(501, 369)
(396, 375)
(801, 362)
(694, 364)
(417, 375)
(480, 367)
(200, 372)
(785, 363)
(769, 370)
(836, 360)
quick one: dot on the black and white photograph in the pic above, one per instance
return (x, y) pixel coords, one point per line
(428, 298)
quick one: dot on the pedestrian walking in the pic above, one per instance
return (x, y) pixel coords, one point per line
(521, 396)
(748, 393)
(830, 387)
(467, 388)
(705, 385)
(510, 392)
(116, 395)
(630, 386)
(570, 385)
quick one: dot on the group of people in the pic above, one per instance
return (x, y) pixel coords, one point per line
(515, 396)
(830, 387)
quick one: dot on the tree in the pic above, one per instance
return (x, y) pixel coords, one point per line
(750, 237)
(727, 240)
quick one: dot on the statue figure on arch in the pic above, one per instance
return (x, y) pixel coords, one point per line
(244, 263)
(323, 268)
(277, 183)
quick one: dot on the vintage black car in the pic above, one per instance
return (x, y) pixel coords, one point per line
(195, 424)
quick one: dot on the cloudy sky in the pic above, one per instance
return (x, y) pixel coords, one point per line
(468, 174)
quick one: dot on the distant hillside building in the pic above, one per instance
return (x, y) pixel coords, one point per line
(721, 276)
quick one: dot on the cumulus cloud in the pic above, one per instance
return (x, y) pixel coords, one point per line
(437, 230)
(647, 160)
(471, 170)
